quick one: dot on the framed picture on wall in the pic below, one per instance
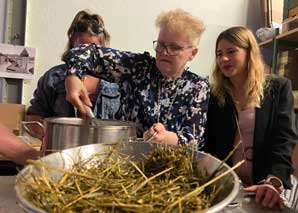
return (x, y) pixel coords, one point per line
(17, 61)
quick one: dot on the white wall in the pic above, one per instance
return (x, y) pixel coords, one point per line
(131, 24)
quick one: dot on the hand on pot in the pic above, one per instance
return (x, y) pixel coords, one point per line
(162, 135)
(36, 129)
(76, 93)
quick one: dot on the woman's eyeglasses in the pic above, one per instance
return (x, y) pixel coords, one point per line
(171, 49)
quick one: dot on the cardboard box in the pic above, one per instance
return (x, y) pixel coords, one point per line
(289, 24)
(288, 66)
(11, 115)
(271, 12)
(293, 12)
(281, 70)
(289, 56)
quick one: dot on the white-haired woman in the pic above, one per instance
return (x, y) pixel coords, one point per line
(160, 94)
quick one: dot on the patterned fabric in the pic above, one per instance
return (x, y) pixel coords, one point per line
(50, 97)
(139, 81)
(108, 100)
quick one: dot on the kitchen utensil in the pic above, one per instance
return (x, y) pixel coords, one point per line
(151, 137)
(89, 111)
(63, 132)
(90, 116)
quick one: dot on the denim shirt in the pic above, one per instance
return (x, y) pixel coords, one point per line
(49, 98)
(181, 105)
(107, 101)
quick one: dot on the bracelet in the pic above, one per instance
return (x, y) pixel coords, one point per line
(273, 181)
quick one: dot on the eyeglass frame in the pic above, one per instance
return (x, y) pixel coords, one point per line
(165, 47)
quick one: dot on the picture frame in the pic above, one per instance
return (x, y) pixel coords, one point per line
(17, 61)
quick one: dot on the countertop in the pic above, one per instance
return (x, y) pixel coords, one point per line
(8, 203)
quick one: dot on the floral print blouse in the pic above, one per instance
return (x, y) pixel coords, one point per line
(146, 96)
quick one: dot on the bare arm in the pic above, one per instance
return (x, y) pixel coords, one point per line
(76, 93)
(14, 148)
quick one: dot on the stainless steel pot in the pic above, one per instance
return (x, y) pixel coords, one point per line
(69, 157)
(63, 133)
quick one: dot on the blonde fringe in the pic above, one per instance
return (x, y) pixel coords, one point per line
(221, 86)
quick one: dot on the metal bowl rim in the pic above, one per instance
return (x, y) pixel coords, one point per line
(215, 208)
(65, 120)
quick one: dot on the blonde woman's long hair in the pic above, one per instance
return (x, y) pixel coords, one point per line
(222, 86)
(86, 22)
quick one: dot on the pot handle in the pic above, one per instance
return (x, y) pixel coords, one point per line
(25, 125)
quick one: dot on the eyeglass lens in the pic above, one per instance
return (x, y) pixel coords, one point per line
(170, 49)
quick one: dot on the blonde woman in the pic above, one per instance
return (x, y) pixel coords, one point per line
(247, 107)
(161, 93)
(50, 97)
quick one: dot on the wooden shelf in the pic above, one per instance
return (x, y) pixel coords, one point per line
(291, 35)
(284, 39)
(266, 44)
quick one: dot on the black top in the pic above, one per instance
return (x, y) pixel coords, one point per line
(274, 135)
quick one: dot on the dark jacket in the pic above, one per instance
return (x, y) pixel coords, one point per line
(49, 98)
(274, 136)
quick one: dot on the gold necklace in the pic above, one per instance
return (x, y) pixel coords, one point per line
(177, 85)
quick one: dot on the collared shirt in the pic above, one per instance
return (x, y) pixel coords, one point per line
(49, 99)
(181, 106)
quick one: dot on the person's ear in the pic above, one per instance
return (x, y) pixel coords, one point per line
(194, 52)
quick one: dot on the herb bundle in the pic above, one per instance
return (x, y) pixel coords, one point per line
(165, 180)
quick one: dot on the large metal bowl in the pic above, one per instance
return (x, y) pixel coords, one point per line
(66, 159)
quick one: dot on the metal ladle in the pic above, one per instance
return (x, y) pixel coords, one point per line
(151, 137)
(91, 115)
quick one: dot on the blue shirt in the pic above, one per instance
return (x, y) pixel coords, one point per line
(146, 95)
